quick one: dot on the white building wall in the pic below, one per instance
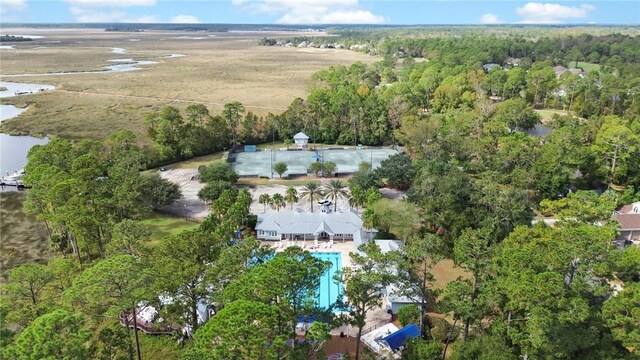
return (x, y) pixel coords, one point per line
(268, 235)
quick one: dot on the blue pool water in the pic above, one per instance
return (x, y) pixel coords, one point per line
(329, 290)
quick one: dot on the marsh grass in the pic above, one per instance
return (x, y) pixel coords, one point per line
(23, 238)
(216, 70)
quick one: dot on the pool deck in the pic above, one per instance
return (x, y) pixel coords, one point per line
(344, 248)
(376, 317)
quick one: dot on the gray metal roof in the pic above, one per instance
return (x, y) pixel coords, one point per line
(300, 136)
(303, 222)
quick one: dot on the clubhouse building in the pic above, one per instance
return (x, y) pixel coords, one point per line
(302, 225)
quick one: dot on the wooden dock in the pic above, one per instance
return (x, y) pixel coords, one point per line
(16, 183)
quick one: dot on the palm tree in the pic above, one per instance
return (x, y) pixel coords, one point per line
(357, 197)
(277, 202)
(264, 199)
(336, 190)
(291, 196)
(311, 191)
(369, 219)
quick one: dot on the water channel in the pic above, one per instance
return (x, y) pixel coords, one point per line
(14, 149)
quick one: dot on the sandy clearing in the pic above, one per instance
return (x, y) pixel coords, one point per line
(192, 207)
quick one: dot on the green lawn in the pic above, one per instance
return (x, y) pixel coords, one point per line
(546, 114)
(276, 181)
(162, 225)
(193, 163)
(588, 67)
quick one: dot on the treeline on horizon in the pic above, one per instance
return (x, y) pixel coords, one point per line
(14, 38)
(477, 46)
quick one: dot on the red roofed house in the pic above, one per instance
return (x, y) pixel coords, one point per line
(629, 218)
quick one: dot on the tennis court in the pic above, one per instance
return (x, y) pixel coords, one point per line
(298, 161)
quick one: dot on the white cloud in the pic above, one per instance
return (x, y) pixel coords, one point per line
(185, 19)
(490, 19)
(8, 6)
(13, 3)
(539, 13)
(111, 3)
(96, 16)
(312, 11)
(332, 17)
(90, 11)
(352, 17)
(149, 19)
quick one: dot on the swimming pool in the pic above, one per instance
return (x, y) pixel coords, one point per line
(329, 291)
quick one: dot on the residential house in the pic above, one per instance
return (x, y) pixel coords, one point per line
(394, 299)
(559, 70)
(488, 67)
(577, 71)
(496, 99)
(629, 218)
(511, 62)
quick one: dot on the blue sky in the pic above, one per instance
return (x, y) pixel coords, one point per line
(322, 11)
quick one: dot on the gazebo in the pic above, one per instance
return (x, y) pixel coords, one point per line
(301, 139)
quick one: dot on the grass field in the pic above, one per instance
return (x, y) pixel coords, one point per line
(197, 161)
(445, 271)
(163, 225)
(216, 70)
(193, 163)
(288, 182)
(588, 67)
(23, 238)
(547, 114)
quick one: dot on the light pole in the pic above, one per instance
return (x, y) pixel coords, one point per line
(272, 164)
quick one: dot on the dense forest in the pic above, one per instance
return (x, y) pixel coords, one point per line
(476, 177)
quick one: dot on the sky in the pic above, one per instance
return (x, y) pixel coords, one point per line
(322, 11)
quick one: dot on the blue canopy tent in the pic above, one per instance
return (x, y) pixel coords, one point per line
(400, 337)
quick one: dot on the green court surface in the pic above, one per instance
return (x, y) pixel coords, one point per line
(298, 161)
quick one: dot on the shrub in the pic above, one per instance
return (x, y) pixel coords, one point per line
(409, 314)
(441, 329)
